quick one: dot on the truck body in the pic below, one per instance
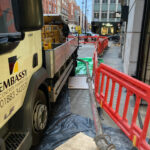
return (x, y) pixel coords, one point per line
(34, 69)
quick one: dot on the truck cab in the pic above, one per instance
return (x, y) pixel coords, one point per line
(33, 71)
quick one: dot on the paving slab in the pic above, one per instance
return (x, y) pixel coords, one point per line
(86, 50)
(80, 102)
(78, 82)
(79, 142)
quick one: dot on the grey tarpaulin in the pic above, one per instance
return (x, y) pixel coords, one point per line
(64, 125)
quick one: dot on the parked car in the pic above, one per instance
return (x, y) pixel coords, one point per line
(88, 34)
(115, 37)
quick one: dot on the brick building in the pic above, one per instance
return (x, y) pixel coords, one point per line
(68, 9)
(74, 15)
(49, 6)
(63, 8)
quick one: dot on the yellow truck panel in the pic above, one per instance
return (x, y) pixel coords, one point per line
(16, 72)
(32, 70)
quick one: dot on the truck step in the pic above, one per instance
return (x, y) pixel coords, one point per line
(15, 140)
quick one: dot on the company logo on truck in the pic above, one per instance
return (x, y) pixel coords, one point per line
(12, 80)
(13, 68)
(13, 64)
(14, 85)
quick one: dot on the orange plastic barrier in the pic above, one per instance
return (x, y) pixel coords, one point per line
(71, 36)
(88, 39)
(102, 44)
(102, 75)
(91, 39)
(95, 63)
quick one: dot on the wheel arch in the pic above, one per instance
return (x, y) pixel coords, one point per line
(37, 81)
(44, 87)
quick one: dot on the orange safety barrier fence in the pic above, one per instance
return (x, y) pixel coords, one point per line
(103, 74)
(101, 42)
(101, 45)
(95, 63)
(88, 39)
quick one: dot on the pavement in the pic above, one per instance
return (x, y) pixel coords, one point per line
(111, 58)
(79, 99)
(86, 50)
(80, 102)
(72, 111)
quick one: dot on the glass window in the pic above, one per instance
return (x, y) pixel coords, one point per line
(49, 8)
(104, 14)
(112, 15)
(96, 1)
(96, 15)
(6, 17)
(105, 1)
(112, 1)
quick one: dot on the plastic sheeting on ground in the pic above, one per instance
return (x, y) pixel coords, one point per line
(81, 67)
(65, 125)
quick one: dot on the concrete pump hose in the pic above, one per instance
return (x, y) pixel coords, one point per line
(100, 139)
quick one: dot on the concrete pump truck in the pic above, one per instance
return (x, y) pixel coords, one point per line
(35, 62)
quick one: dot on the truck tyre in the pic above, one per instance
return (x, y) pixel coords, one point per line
(39, 116)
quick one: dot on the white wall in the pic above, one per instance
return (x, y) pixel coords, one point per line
(72, 27)
(59, 6)
(133, 34)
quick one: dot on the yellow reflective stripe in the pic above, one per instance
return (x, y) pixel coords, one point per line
(15, 67)
(134, 140)
(101, 104)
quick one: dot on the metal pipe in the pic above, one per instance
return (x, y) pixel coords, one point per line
(100, 138)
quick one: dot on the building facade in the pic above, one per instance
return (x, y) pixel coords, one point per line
(82, 21)
(106, 16)
(49, 6)
(68, 9)
(74, 15)
(136, 50)
(63, 8)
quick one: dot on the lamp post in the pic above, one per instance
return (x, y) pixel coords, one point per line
(85, 14)
(82, 13)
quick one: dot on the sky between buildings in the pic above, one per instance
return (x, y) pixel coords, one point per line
(89, 8)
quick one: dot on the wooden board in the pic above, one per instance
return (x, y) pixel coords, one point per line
(78, 83)
(79, 142)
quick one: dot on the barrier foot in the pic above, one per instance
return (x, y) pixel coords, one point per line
(103, 144)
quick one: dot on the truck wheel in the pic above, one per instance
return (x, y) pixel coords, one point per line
(39, 116)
